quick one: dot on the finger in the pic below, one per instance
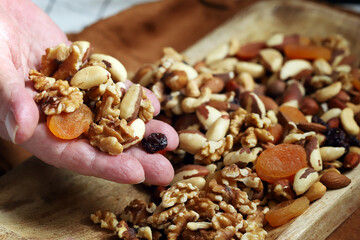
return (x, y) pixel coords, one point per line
(80, 156)
(156, 126)
(158, 170)
(17, 107)
(150, 95)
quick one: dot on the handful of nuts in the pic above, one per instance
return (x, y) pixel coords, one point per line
(84, 93)
(265, 128)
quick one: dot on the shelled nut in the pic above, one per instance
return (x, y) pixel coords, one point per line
(329, 154)
(334, 180)
(304, 179)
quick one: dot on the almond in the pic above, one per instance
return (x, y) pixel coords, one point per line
(215, 84)
(269, 103)
(223, 106)
(333, 123)
(308, 127)
(334, 180)
(343, 96)
(336, 103)
(276, 88)
(351, 160)
(309, 106)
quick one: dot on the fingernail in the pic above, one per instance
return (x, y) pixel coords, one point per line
(141, 181)
(11, 126)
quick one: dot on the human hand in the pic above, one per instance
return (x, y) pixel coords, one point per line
(26, 31)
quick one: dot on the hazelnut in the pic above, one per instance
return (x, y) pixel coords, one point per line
(175, 80)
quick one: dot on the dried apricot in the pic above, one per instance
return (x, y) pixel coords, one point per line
(70, 125)
(250, 51)
(292, 114)
(310, 52)
(280, 162)
(285, 211)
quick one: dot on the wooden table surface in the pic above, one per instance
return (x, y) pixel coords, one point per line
(137, 36)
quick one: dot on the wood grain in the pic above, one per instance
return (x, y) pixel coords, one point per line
(38, 201)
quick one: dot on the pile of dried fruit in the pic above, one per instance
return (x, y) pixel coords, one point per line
(265, 128)
(83, 93)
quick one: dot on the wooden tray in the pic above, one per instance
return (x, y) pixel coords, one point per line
(38, 201)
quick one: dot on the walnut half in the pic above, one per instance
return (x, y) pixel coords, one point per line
(56, 96)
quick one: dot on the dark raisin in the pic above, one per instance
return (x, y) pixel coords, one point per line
(154, 142)
(317, 119)
(353, 141)
(336, 137)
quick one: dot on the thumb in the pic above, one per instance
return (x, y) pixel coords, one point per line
(18, 110)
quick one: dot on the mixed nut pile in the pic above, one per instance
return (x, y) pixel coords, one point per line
(265, 129)
(83, 93)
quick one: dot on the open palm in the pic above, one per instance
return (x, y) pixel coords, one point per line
(25, 32)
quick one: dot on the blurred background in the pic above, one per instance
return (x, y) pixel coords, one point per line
(72, 16)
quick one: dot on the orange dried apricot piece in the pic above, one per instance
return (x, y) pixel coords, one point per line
(285, 211)
(292, 114)
(250, 50)
(280, 162)
(70, 125)
(277, 132)
(309, 52)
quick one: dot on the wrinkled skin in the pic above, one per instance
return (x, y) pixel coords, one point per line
(25, 32)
